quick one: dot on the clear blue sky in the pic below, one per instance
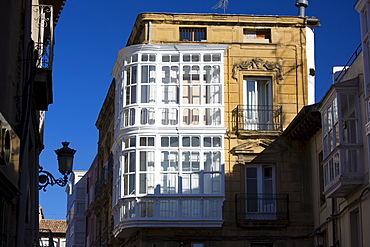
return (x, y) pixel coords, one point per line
(89, 34)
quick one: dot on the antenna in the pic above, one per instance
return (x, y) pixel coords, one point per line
(221, 4)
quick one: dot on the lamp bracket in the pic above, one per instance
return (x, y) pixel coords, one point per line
(46, 178)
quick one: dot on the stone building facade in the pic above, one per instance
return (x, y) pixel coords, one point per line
(199, 159)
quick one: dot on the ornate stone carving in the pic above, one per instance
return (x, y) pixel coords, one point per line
(258, 64)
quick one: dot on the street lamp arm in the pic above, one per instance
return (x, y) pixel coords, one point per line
(46, 178)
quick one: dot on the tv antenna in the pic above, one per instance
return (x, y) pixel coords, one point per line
(221, 4)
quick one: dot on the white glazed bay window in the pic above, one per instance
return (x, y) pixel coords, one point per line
(169, 142)
(341, 143)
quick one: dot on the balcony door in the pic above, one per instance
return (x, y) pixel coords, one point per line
(257, 102)
(260, 192)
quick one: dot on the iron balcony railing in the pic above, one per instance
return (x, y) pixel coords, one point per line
(43, 34)
(262, 207)
(258, 117)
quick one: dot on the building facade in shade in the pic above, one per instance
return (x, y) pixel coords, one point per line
(103, 182)
(76, 207)
(91, 206)
(333, 140)
(26, 61)
(199, 159)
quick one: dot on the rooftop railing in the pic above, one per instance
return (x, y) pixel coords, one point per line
(350, 61)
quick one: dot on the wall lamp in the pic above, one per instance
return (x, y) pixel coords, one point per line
(65, 163)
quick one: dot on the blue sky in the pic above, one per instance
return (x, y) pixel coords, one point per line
(89, 34)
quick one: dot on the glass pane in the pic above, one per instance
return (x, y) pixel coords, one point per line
(216, 141)
(207, 57)
(133, 95)
(142, 183)
(252, 172)
(207, 141)
(195, 161)
(165, 142)
(165, 74)
(195, 141)
(169, 94)
(186, 161)
(125, 162)
(165, 58)
(195, 58)
(174, 141)
(174, 58)
(168, 184)
(131, 189)
(216, 57)
(143, 141)
(150, 141)
(186, 58)
(143, 161)
(132, 161)
(186, 141)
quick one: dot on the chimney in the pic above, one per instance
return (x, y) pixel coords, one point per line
(301, 4)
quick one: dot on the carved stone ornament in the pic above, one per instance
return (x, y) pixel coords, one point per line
(258, 64)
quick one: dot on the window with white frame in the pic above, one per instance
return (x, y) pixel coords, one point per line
(191, 85)
(148, 84)
(147, 141)
(131, 83)
(169, 172)
(129, 117)
(148, 57)
(170, 116)
(147, 116)
(212, 87)
(190, 172)
(341, 138)
(146, 172)
(191, 116)
(257, 103)
(260, 190)
(129, 165)
(330, 128)
(167, 88)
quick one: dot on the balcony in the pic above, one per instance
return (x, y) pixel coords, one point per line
(342, 172)
(43, 36)
(257, 119)
(262, 210)
(168, 211)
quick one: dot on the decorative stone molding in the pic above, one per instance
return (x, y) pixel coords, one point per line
(258, 64)
(250, 149)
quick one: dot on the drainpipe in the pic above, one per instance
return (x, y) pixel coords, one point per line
(333, 206)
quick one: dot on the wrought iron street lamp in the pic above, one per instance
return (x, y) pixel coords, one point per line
(65, 163)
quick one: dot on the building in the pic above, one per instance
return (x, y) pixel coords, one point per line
(104, 171)
(76, 219)
(52, 233)
(332, 139)
(199, 155)
(26, 51)
(90, 205)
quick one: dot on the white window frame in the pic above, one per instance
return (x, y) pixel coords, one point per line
(261, 206)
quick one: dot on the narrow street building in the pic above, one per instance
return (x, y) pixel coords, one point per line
(199, 159)
(26, 62)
